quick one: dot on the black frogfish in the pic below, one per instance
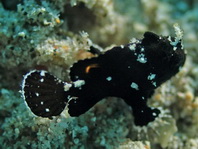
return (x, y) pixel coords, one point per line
(131, 72)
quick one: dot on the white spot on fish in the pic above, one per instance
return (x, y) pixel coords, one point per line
(59, 81)
(132, 47)
(109, 78)
(135, 86)
(154, 84)
(42, 73)
(67, 86)
(47, 110)
(79, 83)
(151, 76)
(141, 58)
(41, 80)
(154, 114)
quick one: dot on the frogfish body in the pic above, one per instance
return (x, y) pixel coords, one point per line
(131, 72)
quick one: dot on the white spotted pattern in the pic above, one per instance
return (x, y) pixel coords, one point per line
(134, 86)
(47, 110)
(37, 94)
(109, 78)
(79, 83)
(42, 73)
(141, 58)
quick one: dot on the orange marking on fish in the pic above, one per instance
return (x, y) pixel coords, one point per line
(87, 69)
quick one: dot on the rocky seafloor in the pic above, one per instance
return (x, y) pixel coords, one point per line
(54, 34)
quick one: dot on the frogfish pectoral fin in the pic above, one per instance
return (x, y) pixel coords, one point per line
(44, 93)
(141, 112)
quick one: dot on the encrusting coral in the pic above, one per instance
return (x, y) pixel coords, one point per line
(39, 35)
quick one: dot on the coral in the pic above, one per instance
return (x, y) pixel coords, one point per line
(134, 145)
(156, 132)
(54, 34)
